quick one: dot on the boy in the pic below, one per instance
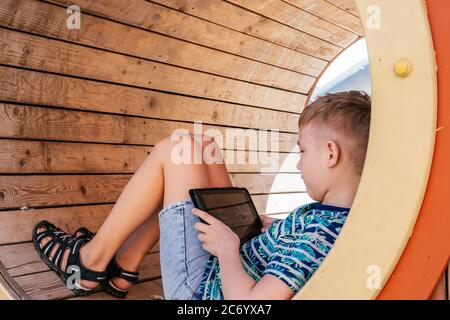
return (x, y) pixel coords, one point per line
(205, 261)
(333, 137)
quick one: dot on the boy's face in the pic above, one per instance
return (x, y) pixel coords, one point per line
(313, 162)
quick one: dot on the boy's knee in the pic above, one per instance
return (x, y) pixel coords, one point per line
(199, 139)
(185, 143)
(199, 136)
(202, 139)
(194, 142)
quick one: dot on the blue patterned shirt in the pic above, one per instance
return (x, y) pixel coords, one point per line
(291, 249)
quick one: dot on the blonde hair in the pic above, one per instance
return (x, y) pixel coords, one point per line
(348, 115)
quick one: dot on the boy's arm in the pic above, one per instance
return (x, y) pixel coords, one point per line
(238, 285)
(267, 222)
(219, 240)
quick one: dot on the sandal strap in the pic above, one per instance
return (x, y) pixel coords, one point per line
(43, 234)
(63, 244)
(47, 248)
(86, 233)
(49, 229)
(114, 270)
(74, 259)
(57, 237)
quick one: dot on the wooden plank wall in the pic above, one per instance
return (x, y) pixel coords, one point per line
(81, 109)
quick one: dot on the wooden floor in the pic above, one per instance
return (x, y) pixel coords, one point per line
(30, 278)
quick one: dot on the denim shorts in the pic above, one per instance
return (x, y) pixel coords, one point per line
(183, 259)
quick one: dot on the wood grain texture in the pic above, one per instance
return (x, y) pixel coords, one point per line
(32, 122)
(54, 157)
(179, 25)
(31, 87)
(347, 5)
(330, 12)
(47, 19)
(57, 190)
(25, 50)
(247, 22)
(298, 19)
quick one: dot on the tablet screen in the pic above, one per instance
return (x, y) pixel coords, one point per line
(232, 206)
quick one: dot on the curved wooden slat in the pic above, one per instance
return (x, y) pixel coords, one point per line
(253, 24)
(347, 5)
(31, 122)
(179, 25)
(46, 19)
(332, 13)
(56, 190)
(52, 157)
(35, 52)
(299, 19)
(31, 87)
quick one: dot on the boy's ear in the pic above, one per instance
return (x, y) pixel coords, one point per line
(333, 153)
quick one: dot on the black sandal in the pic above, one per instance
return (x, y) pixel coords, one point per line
(65, 241)
(115, 271)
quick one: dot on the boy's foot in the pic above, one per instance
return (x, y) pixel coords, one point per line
(85, 283)
(121, 284)
(119, 279)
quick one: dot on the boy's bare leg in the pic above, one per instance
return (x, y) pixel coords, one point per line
(157, 180)
(133, 251)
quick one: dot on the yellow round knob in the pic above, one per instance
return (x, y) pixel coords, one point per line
(403, 68)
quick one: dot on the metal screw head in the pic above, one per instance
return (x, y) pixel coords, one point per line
(403, 68)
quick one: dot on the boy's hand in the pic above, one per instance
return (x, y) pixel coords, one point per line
(267, 222)
(218, 239)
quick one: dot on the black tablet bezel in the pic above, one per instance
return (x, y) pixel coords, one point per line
(197, 200)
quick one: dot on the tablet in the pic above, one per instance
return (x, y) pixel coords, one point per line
(233, 206)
